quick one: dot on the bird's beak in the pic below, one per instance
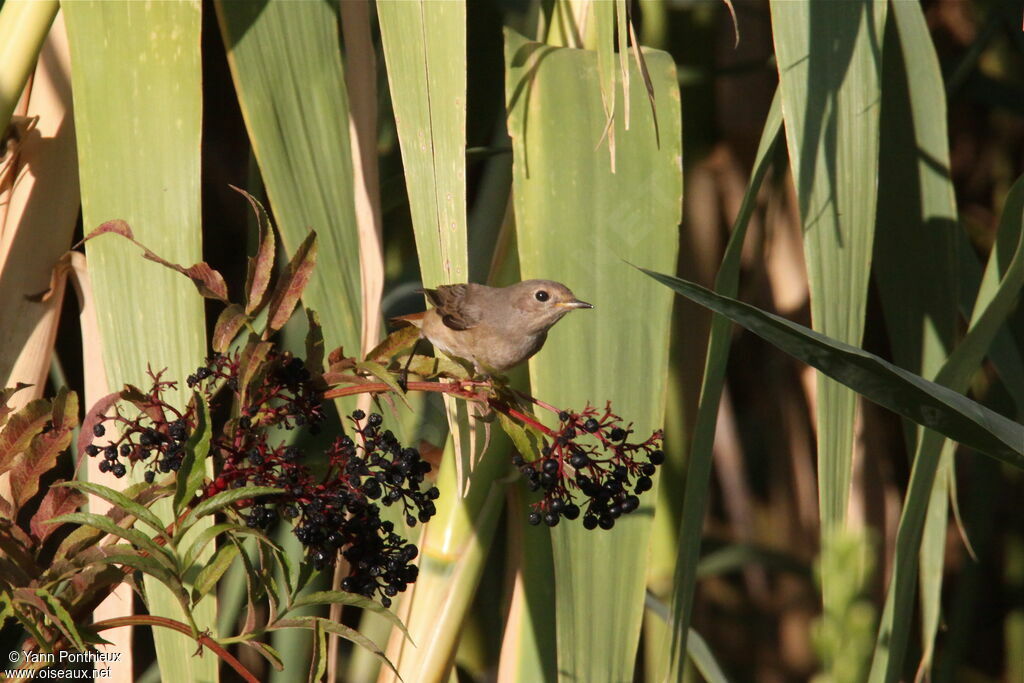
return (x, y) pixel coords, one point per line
(575, 303)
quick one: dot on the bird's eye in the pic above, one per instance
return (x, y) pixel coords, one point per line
(541, 295)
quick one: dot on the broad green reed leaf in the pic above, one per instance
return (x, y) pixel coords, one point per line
(700, 458)
(829, 58)
(285, 60)
(138, 116)
(424, 46)
(425, 49)
(575, 222)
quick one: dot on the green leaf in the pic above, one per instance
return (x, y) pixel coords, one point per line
(121, 501)
(577, 219)
(192, 474)
(829, 57)
(133, 536)
(425, 50)
(926, 403)
(702, 449)
(343, 598)
(917, 215)
(62, 618)
(151, 179)
(210, 505)
(214, 569)
(345, 632)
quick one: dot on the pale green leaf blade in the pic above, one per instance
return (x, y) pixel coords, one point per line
(138, 121)
(425, 49)
(576, 221)
(285, 59)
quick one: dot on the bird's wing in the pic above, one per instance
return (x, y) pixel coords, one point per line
(455, 306)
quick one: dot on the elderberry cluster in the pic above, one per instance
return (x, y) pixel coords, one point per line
(336, 511)
(155, 437)
(333, 510)
(608, 471)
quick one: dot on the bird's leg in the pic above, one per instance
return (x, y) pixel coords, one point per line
(403, 377)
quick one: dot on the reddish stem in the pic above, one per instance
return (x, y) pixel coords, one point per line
(202, 639)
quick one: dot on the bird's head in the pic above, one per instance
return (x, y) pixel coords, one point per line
(543, 302)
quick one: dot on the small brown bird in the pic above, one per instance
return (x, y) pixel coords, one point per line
(495, 328)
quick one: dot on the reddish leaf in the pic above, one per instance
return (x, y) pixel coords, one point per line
(20, 430)
(118, 227)
(291, 284)
(59, 500)
(16, 549)
(5, 396)
(257, 278)
(252, 367)
(230, 321)
(92, 418)
(44, 449)
(208, 281)
(337, 360)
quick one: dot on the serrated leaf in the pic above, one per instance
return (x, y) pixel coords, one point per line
(5, 397)
(291, 284)
(133, 536)
(403, 338)
(230, 322)
(118, 499)
(926, 403)
(92, 418)
(381, 373)
(20, 429)
(208, 281)
(192, 474)
(61, 617)
(267, 651)
(343, 598)
(210, 505)
(208, 577)
(345, 632)
(57, 501)
(520, 439)
(45, 448)
(260, 267)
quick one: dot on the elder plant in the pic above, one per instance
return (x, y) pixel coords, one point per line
(246, 398)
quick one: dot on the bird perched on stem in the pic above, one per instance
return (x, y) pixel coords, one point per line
(495, 328)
